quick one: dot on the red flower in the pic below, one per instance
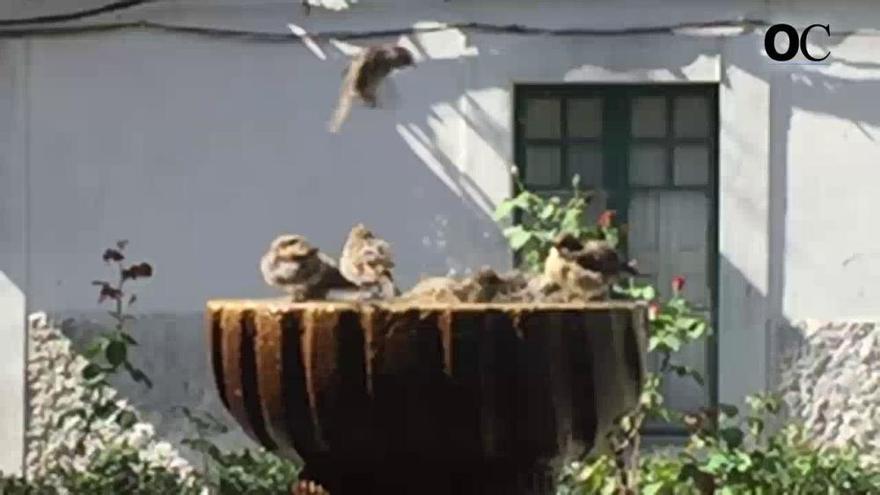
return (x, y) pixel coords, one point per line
(653, 311)
(677, 284)
(606, 219)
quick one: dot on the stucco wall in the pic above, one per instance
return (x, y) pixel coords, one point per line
(200, 150)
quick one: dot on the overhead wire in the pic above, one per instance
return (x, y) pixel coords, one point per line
(36, 26)
(76, 15)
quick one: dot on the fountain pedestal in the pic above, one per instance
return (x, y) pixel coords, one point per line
(397, 398)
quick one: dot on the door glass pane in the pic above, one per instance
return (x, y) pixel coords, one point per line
(586, 161)
(647, 165)
(585, 118)
(691, 117)
(543, 118)
(691, 165)
(649, 116)
(543, 166)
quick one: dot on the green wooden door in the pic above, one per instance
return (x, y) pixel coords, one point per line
(650, 153)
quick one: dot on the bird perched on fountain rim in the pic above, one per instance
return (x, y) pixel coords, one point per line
(486, 285)
(364, 74)
(295, 266)
(586, 270)
(367, 262)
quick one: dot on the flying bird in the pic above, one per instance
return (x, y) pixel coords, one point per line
(293, 265)
(367, 262)
(364, 74)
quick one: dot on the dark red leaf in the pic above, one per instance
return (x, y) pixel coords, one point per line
(141, 270)
(108, 292)
(112, 255)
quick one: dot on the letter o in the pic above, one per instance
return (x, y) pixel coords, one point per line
(770, 42)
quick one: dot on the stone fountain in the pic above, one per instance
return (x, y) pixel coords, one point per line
(427, 398)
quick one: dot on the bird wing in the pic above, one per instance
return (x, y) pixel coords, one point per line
(347, 93)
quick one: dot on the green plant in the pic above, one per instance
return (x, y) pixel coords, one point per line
(673, 323)
(113, 471)
(110, 350)
(253, 472)
(537, 220)
(108, 353)
(729, 455)
(123, 470)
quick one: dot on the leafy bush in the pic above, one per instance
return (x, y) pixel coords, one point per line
(538, 220)
(117, 470)
(727, 455)
(723, 455)
(253, 472)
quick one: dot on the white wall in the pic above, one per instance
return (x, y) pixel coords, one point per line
(200, 150)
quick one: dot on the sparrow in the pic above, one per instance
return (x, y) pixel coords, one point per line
(484, 286)
(586, 270)
(366, 262)
(364, 74)
(434, 290)
(293, 265)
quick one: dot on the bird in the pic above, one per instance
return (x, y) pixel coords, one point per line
(367, 262)
(364, 74)
(485, 286)
(482, 287)
(586, 270)
(295, 266)
(433, 290)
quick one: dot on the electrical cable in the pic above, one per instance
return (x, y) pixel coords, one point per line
(280, 37)
(74, 16)
(382, 33)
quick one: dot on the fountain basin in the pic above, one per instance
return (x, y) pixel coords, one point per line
(427, 398)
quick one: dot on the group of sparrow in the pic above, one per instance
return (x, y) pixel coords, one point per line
(574, 270)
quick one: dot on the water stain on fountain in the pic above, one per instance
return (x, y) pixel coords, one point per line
(427, 398)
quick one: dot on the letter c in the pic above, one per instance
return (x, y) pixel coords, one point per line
(827, 28)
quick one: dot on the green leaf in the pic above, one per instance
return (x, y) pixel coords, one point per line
(116, 353)
(687, 371)
(517, 236)
(504, 210)
(728, 410)
(94, 349)
(672, 342)
(126, 419)
(716, 462)
(92, 371)
(548, 211)
(652, 488)
(732, 436)
(137, 375)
